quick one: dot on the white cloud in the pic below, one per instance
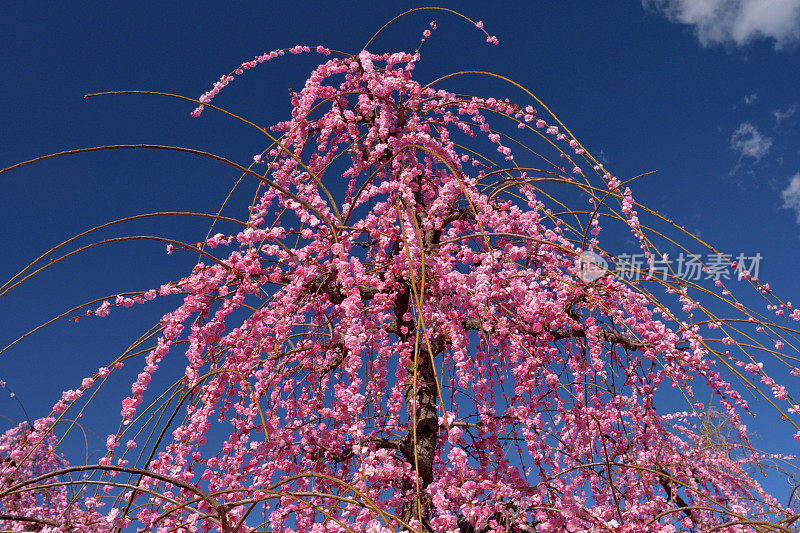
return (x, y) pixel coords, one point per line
(749, 141)
(783, 115)
(750, 98)
(736, 21)
(791, 195)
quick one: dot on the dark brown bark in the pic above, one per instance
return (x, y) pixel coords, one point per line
(680, 503)
(419, 447)
(421, 397)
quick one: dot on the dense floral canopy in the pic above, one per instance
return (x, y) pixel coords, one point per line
(406, 335)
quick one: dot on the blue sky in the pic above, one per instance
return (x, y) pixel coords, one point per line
(703, 92)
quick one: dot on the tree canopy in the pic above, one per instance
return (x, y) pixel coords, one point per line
(416, 328)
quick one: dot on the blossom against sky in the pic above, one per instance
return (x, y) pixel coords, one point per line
(703, 92)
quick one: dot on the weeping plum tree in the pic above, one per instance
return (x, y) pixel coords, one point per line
(414, 331)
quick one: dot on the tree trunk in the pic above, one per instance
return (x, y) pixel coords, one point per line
(424, 397)
(421, 398)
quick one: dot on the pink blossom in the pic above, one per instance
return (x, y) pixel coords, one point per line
(430, 301)
(103, 309)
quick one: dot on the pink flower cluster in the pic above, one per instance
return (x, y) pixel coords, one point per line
(424, 349)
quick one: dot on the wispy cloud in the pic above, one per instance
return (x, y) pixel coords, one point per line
(750, 98)
(783, 115)
(735, 21)
(791, 195)
(750, 142)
